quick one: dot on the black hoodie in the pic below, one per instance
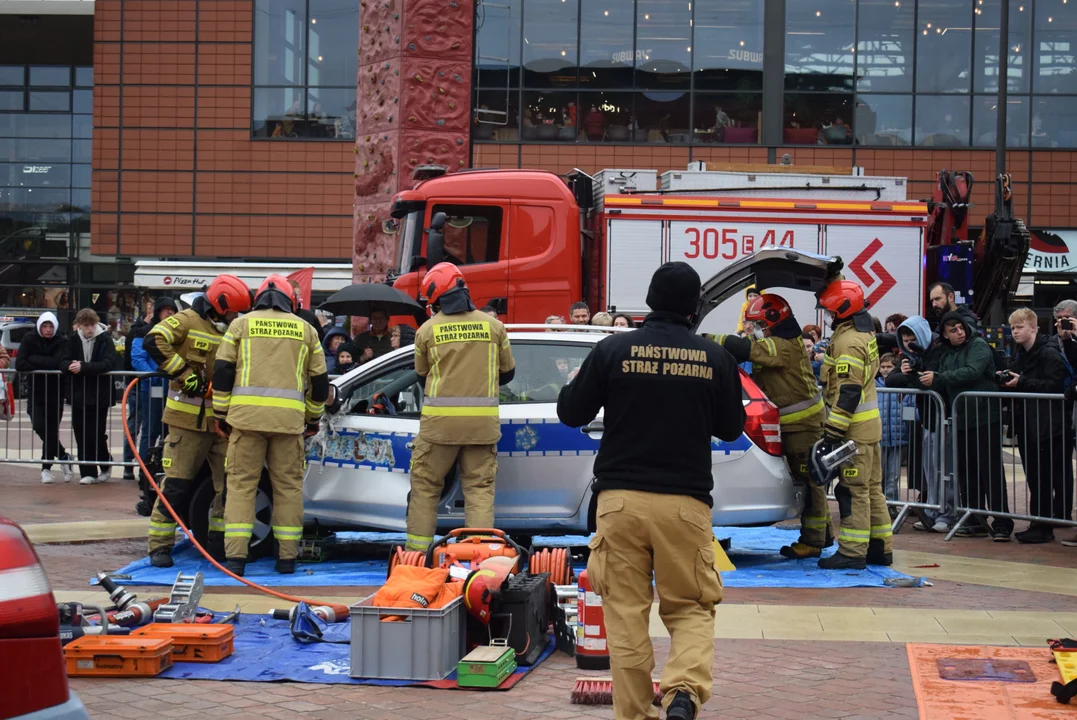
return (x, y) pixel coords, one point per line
(39, 353)
(1042, 371)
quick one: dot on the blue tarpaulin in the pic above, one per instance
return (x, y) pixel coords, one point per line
(754, 551)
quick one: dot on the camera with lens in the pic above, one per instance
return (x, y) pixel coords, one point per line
(915, 362)
(1003, 376)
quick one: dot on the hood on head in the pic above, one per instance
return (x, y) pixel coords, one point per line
(921, 328)
(162, 303)
(331, 333)
(963, 318)
(48, 317)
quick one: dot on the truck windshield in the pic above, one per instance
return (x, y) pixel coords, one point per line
(409, 240)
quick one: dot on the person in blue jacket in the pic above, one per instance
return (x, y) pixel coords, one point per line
(895, 430)
(151, 392)
(334, 338)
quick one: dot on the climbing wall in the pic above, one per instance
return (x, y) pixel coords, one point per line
(414, 99)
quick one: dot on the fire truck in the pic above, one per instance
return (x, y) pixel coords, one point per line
(531, 244)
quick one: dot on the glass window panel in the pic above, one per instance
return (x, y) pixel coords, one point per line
(1056, 48)
(472, 233)
(728, 51)
(818, 119)
(279, 40)
(56, 75)
(82, 101)
(331, 113)
(34, 198)
(942, 121)
(278, 113)
(549, 49)
(664, 116)
(607, 53)
(80, 176)
(497, 44)
(664, 42)
(12, 75)
(1052, 122)
(82, 151)
(50, 101)
(884, 47)
(82, 125)
(80, 198)
(944, 47)
(608, 117)
(497, 116)
(819, 45)
(84, 76)
(333, 40)
(21, 150)
(731, 118)
(549, 116)
(985, 117)
(12, 100)
(883, 120)
(35, 175)
(986, 14)
(23, 125)
(541, 371)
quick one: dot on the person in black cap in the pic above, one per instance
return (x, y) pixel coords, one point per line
(666, 392)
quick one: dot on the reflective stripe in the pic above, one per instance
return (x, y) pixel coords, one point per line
(772, 350)
(229, 338)
(318, 349)
(461, 402)
(491, 370)
(865, 406)
(854, 536)
(315, 408)
(460, 411)
(186, 405)
(287, 532)
(212, 339)
(417, 542)
(880, 531)
(815, 522)
(300, 364)
(256, 401)
(865, 416)
(800, 410)
(239, 530)
(164, 332)
(245, 358)
(851, 360)
(221, 401)
(267, 392)
(173, 365)
(162, 529)
(216, 524)
(435, 373)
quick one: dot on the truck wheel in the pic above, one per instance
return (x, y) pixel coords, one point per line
(202, 500)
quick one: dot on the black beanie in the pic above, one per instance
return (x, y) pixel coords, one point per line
(675, 289)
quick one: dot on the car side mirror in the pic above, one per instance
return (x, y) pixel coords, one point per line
(435, 243)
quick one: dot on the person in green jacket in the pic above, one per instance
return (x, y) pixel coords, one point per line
(966, 363)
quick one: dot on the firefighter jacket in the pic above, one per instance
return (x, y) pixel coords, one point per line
(182, 345)
(271, 375)
(463, 357)
(781, 368)
(848, 378)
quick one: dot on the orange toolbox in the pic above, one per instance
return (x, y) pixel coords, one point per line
(118, 656)
(203, 643)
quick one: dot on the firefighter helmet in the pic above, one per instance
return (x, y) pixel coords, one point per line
(276, 291)
(441, 278)
(842, 298)
(768, 310)
(483, 586)
(227, 293)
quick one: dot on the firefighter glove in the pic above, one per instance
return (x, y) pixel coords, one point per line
(223, 428)
(195, 386)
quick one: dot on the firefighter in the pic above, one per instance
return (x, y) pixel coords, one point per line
(848, 379)
(666, 392)
(465, 357)
(184, 346)
(782, 369)
(271, 390)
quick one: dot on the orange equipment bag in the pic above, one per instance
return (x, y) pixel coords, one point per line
(413, 587)
(117, 656)
(201, 643)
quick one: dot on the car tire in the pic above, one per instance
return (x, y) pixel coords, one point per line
(262, 543)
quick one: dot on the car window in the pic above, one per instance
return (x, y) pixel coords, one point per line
(17, 334)
(405, 392)
(542, 369)
(472, 233)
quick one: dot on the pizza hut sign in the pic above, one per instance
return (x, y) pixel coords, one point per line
(181, 281)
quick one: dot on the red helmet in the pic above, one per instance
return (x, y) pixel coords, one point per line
(280, 284)
(440, 279)
(483, 586)
(768, 310)
(842, 298)
(227, 293)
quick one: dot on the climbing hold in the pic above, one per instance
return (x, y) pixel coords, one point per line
(441, 121)
(459, 141)
(455, 46)
(411, 46)
(441, 90)
(412, 118)
(457, 78)
(461, 162)
(427, 38)
(452, 104)
(418, 77)
(389, 119)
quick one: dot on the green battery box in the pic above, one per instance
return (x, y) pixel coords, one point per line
(486, 667)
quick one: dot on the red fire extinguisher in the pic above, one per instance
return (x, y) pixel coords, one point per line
(592, 652)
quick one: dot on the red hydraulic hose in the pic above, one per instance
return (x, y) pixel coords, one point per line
(340, 610)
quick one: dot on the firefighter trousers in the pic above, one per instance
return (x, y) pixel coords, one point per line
(669, 537)
(184, 455)
(282, 454)
(430, 463)
(816, 524)
(862, 504)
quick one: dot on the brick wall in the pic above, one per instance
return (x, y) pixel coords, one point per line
(175, 171)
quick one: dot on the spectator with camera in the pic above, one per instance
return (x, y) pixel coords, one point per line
(1038, 367)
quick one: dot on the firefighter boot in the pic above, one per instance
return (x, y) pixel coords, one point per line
(682, 707)
(161, 558)
(236, 566)
(838, 561)
(285, 567)
(800, 551)
(877, 554)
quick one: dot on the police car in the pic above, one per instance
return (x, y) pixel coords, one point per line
(357, 474)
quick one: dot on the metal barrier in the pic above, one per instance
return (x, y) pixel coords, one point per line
(67, 420)
(1033, 434)
(914, 454)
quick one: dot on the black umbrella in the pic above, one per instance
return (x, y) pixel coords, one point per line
(360, 299)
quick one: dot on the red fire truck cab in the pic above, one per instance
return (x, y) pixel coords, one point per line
(531, 245)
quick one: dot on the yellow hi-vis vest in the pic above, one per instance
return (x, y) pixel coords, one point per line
(189, 343)
(462, 356)
(274, 354)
